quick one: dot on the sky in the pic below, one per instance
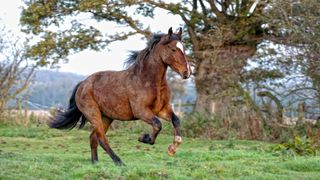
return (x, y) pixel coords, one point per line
(88, 62)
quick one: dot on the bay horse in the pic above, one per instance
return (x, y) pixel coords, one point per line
(139, 92)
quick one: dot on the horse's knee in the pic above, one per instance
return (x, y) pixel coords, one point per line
(156, 123)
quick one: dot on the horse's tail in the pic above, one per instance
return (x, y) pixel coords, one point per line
(68, 119)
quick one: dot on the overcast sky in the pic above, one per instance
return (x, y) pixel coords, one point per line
(88, 62)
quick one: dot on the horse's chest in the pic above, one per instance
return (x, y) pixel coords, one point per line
(160, 99)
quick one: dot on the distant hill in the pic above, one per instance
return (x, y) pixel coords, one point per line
(52, 89)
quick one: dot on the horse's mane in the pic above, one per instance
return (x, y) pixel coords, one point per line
(136, 57)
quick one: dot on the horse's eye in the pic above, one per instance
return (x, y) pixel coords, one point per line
(173, 50)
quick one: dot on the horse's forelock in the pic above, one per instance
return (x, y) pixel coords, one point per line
(175, 37)
(154, 40)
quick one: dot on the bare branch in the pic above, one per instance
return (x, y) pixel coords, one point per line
(177, 9)
(213, 5)
(15, 71)
(129, 21)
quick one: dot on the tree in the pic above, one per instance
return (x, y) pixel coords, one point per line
(222, 35)
(302, 18)
(15, 70)
(293, 58)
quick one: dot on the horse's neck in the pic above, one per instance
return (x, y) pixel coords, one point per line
(153, 70)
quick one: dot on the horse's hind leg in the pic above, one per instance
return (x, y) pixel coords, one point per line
(98, 129)
(105, 145)
(94, 140)
(91, 111)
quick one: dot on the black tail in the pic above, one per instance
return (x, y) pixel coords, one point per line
(68, 119)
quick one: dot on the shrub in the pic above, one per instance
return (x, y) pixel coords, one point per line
(299, 146)
(198, 125)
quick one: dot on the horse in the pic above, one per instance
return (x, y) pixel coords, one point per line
(140, 92)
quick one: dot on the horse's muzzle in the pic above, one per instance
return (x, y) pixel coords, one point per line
(186, 75)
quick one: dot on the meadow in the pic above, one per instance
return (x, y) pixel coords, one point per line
(36, 152)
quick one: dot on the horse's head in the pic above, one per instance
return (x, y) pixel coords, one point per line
(173, 53)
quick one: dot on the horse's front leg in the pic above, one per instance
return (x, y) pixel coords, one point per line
(177, 137)
(169, 115)
(156, 128)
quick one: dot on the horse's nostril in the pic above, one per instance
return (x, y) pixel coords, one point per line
(185, 75)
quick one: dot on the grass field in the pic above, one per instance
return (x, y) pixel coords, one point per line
(42, 153)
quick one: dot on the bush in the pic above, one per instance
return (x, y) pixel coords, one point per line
(198, 125)
(299, 146)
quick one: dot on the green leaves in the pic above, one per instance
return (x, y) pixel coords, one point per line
(298, 146)
(145, 10)
(60, 29)
(56, 46)
(38, 15)
(88, 5)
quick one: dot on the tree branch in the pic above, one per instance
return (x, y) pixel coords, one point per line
(213, 5)
(129, 21)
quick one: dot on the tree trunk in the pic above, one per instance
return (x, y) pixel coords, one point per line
(217, 78)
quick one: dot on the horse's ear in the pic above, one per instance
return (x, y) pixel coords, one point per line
(180, 33)
(170, 31)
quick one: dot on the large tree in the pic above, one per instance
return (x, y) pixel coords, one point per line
(221, 36)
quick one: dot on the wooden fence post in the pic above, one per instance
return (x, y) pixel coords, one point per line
(301, 112)
(179, 111)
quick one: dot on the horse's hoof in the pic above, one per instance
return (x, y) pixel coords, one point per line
(171, 150)
(145, 138)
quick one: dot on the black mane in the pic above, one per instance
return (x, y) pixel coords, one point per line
(136, 57)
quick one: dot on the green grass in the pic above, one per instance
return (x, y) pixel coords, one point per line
(42, 153)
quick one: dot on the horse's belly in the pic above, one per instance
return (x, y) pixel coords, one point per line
(119, 109)
(119, 113)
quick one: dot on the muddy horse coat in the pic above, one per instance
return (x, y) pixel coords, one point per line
(139, 92)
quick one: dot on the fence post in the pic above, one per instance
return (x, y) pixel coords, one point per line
(179, 107)
(213, 107)
(26, 108)
(301, 112)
